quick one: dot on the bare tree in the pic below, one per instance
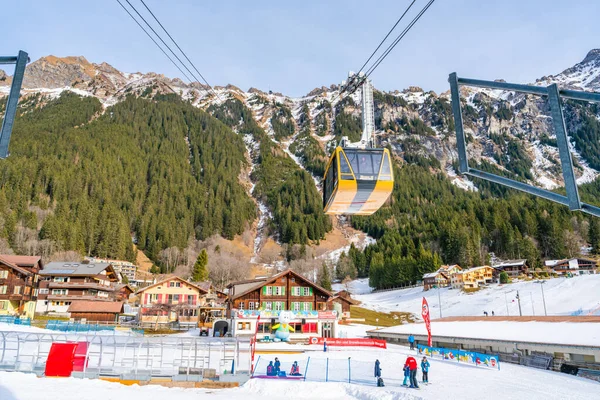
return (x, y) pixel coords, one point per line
(5, 247)
(71, 256)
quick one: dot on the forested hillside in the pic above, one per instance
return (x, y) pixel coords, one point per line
(159, 171)
(289, 191)
(430, 221)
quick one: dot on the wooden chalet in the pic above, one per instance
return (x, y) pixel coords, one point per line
(573, 266)
(436, 279)
(96, 311)
(18, 284)
(309, 305)
(514, 268)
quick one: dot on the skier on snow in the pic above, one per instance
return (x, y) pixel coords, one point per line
(425, 369)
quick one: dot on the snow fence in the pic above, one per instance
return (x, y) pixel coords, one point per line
(461, 356)
(329, 370)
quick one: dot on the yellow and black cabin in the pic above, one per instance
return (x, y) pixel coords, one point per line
(357, 181)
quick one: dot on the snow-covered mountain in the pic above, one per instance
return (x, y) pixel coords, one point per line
(506, 131)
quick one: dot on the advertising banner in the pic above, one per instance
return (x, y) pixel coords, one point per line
(350, 342)
(469, 357)
(425, 314)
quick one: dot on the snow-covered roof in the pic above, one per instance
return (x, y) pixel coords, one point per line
(466, 271)
(511, 263)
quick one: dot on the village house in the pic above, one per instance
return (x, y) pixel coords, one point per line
(341, 302)
(123, 292)
(61, 283)
(472, 278)
(435, 279)
(450, 269)
(309, 306)
(122, 268)
(87, 311)
(514, 268)
(18, 284)
(573, 266)
(172, 300)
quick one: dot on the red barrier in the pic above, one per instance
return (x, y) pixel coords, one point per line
(60, 359)
(80, 356)
(348, 342)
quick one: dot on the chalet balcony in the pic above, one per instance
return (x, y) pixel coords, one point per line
(80, 285)
(69, 297)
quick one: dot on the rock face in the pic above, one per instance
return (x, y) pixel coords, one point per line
(511, 132)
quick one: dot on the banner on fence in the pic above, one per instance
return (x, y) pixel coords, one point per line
(348, 342)
(469, 357)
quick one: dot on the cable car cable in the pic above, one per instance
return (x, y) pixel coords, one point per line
(386, 36)
(182, 52)
(155, 42)
(161, 39)
(399, 38)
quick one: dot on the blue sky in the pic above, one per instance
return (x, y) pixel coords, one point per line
(295, 46)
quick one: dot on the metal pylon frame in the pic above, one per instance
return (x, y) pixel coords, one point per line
(554, 95)
(20, 62)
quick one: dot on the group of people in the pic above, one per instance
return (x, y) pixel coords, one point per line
(274, 368)
(410, 371)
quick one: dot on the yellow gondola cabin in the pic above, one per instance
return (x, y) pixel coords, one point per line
(357, 181)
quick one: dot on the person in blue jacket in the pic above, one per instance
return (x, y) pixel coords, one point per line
(277, 366)
(270, 369)
(377, 369)
(406, 375)
(425, 369)
(411, 340)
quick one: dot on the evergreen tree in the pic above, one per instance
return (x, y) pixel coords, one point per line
(200, 269)
(325, 278)
(594, 235)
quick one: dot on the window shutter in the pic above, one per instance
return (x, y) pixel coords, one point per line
(310, 291)
(283, 290)
(264, 290)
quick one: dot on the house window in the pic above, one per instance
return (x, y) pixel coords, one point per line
(241, 306)
(3, 274)
(3, 289)
(269, 290)
(61, 279)
(59, 291)
(251, 305)
(264, 327)
(310, 327)
(170, 298)
(296, 306)
(279, 305)
(307, 306)
(268, 305)
(278, 290)
(190, 300)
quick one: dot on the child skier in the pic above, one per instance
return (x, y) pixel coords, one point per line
(425, 369)
(406, 375)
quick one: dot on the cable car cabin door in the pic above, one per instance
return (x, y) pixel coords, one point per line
(357, 181)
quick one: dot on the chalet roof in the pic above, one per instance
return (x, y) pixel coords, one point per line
(169, 279)
(466, 271)
(449, 267)
(236, 283)
(553, 263)
(435, 274)
(4, 261)
(83, 306)
(75, 268)
(22, 261)
(511, 263)
(122, 285)
(262, 282)
(346, 299)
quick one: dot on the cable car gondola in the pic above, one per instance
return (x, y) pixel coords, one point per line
(357, 181)
(359, 177)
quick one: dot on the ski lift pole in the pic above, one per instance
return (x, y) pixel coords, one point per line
(20, 62)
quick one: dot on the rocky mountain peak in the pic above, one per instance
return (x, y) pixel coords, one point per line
(592, 56)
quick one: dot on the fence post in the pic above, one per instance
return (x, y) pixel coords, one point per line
(306, 369)
(349, 371)
(253, 369)
(327, 370)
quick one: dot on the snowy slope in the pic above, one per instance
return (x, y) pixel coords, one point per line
(564, 296)
(450, 381)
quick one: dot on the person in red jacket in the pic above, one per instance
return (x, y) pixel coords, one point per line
(411, 363)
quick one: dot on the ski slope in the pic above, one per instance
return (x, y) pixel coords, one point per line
(449, 381)
(564, 296)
